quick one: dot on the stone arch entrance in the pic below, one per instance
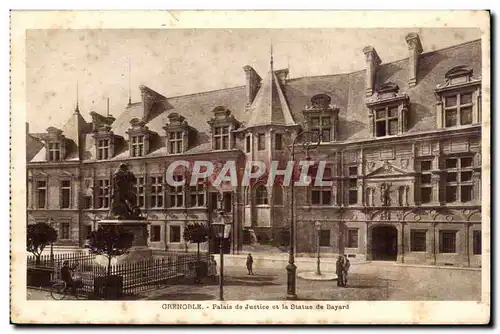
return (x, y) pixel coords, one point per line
(384, 243)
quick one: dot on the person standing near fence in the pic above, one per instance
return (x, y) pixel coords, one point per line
(347, 265)
(339, 270)
(250, 264)
(212, 267)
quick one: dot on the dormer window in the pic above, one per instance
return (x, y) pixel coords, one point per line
(388, 111)
(175, 142)
(179, 134)
(139, 136)
(54, 151)
(137, 144)
(104, 143)
(103, 149)
(221, 137)
(55, 144)
(459, 99)
(222, 124)
(322, 117)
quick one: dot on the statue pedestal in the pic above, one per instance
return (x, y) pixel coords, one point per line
(139, 250)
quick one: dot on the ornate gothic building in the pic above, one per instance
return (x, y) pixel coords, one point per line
(402, 142)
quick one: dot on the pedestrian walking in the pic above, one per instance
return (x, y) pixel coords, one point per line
(250, 264)
(347, 265)
(339, 270)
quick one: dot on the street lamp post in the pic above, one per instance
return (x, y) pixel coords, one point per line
(318, 230)
(51, 245)
(291, 268)
(218, 228)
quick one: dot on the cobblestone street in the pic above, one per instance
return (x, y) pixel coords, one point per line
(369, 281)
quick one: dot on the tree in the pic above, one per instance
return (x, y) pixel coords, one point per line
(38, 236)
(196, 233)
(110, 241)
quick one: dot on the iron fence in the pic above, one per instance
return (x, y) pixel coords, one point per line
(164, 268)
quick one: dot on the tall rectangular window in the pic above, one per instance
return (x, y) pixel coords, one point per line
(213, 201)
(103, 149)
(54, 151)
(459, 179)
(248, 144)
(458, 109)
(221, 137)
(155, 233)
(261, 141)
(137, 146)
(65, 231)
(320, 196)
(447, 241)
(227, 201)
(139, 192)
(102, 194)
(197, 195)
(175, 142)
(41, 192)
(418, 240)
(175, 233)
(323, 126)
(65, 194)
(386, 121)
(476, 242)
(278, 142)
(324, 238)
(352, 238)
(425, 181)
(156, 199)
(353, 185)
(176, 193)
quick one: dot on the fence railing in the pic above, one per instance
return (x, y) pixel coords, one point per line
(137, 276)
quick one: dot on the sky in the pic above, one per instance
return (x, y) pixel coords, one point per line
(185, 61)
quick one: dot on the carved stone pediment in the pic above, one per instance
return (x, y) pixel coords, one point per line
(456, 77)
(386, 170)
(388, 92)
(222, 115)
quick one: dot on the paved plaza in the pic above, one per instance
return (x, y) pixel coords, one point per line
(367, 281)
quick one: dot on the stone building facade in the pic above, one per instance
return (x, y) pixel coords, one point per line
(401, 142)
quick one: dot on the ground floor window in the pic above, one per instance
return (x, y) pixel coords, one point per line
(175, 233)
(448, 241)
(352, 238)
(156, 233)
(476, 242)
(418, 240)
(324, 238)
(64, 230)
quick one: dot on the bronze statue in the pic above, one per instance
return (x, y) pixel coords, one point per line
(123, 199)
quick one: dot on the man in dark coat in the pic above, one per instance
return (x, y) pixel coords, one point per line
(339, 270)
(347, 265)
(250, 264)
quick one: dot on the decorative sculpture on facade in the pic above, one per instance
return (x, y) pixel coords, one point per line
(123, 198)
(385, 194)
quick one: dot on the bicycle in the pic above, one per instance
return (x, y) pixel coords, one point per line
(60, 290)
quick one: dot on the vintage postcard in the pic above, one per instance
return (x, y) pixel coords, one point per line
(206, 167)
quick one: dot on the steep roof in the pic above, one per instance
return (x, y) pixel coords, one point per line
(277, 103)
(270, 106)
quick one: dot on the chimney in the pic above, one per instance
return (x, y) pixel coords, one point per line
(252, 83)
(282, 75)
(415, 49)
(372, 63)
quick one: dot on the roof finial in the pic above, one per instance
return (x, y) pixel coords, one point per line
(77, 109)
(272, 61)
(129, 82)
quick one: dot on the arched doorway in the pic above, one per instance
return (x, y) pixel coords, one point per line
(384, 243)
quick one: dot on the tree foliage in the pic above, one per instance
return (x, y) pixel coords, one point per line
(196, 233)
(38, 236)
(110, 241)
